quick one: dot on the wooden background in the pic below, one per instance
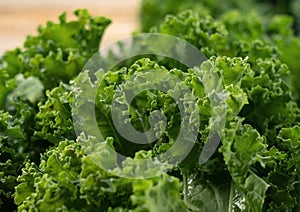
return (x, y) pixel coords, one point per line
(19, 18)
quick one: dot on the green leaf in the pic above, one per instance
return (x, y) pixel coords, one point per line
(163, 195)
(30, 88)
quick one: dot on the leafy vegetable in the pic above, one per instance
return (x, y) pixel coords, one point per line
(246, 153)
(153, 11)
(57, 54)
(248, 84)
(247, 24)
(68, 180)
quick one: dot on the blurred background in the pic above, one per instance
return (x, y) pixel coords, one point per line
(19, 18)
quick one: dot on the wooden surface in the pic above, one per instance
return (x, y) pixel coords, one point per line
(19, 18)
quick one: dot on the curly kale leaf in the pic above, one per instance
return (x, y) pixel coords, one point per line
(56, 54)
(66, 179)
(59, 51)
(153, 11)
(53, 122)
(13, 145)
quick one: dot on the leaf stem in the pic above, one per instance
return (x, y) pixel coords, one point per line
(230, 196)
(185, 187)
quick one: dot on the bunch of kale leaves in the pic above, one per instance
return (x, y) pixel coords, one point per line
(251, 46)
